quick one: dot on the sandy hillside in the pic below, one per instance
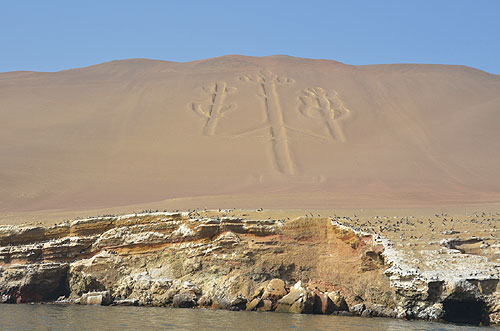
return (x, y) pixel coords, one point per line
(247, 132)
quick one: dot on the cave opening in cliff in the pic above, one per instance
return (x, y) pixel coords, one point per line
(465, 311)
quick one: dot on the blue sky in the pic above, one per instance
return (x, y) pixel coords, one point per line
(55, 35)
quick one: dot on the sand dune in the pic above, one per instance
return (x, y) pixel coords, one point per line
(247, 132)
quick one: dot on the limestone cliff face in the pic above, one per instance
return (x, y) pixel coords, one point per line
(143, 257)
(306, 265)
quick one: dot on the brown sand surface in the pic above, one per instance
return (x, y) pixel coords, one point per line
(245, 132)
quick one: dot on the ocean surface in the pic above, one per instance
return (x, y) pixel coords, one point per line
(74, 317)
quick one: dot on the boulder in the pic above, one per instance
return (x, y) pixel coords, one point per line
(265, 305)
(251, 305)
(299, 300)
(184, 299)
(432, 313)
(102, 298)
(358, 309)
(274, 289)
(239, 303)
(379, 311)
(338, 302)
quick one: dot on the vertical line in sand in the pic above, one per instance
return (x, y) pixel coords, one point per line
(216, 109)
(280, 139)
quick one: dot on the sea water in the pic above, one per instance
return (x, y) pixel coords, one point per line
(75, 317)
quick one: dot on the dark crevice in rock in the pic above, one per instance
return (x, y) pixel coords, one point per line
(435, 290)
(467, 311)
(45, 286)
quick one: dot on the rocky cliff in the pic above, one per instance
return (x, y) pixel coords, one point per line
(305, 265)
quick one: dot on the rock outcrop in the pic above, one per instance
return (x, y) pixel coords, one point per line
(306, 265)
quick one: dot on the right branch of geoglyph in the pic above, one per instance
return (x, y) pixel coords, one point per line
(214, 109)
(316, 100)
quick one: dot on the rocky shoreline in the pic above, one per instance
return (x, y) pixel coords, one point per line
(306, 265)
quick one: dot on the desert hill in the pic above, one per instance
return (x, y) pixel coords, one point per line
(247, 132)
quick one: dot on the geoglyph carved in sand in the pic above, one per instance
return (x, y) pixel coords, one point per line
(267, 80)
(314, 101)
(214, 109)
(328, 106)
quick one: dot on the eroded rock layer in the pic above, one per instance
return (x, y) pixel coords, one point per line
(306, 265)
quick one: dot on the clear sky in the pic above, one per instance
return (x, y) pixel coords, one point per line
(52, 35)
